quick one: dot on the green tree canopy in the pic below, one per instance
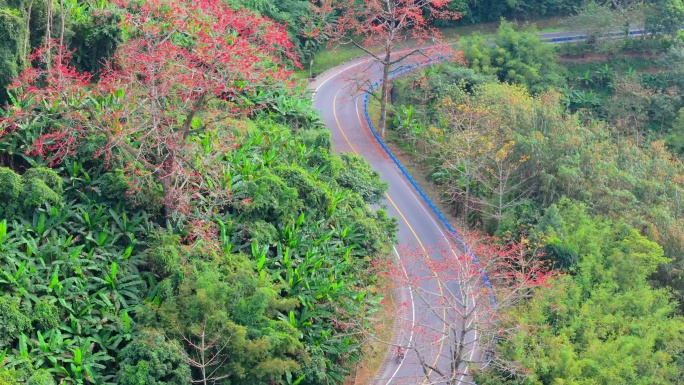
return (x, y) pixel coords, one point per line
(12, 59)
(605, 324)
(237, 313)
(666, 16)
(514, 57)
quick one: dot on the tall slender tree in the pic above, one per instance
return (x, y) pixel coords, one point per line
(383, 25)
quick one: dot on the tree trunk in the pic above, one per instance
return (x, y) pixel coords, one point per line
(455, 356)
(501, 194)
(167, 189)
(383, 93)
(204, 366)
(48, 33)
(63, 21)
(466, 204)
(28, 29)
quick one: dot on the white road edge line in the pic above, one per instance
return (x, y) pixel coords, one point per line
(409, 187)
(413, 315)
(421, 203)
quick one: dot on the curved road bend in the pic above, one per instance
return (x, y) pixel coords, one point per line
(340, 104)
(342, 110)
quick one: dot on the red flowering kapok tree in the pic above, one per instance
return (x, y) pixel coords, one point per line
(459, 315)
(384, 25)
(162, 99)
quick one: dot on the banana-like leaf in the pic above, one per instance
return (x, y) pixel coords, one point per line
(78, 356)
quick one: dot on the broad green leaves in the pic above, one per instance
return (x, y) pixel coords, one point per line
(271, 258)
(73, 286)
(605, 323)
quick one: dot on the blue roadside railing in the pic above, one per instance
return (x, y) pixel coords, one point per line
(610, 35)
(454, 233)
(397, 72)
(578, 38)
(406, 68)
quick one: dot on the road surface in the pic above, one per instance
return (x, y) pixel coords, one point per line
(341, 106)
(337, 97)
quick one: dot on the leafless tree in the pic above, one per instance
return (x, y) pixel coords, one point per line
(208, 357)
(464, 151)
(461, 299)
(505, 181)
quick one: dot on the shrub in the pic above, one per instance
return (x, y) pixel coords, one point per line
(10, 191)
(7, 377)
(13, 320)
(45, 315)
(41, 185)
(163, 254)
(41, 377)
(36, 192)
(150, 359)
(49, 176)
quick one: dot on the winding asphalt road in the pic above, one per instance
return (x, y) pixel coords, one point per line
(337, 97)
(341, 106)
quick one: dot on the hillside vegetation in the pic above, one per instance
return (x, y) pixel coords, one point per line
(173, 210)
(172, 213)
(577, 155)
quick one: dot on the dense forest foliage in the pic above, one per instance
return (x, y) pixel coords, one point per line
(576, 150)
(173, 210)
(217, 239)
